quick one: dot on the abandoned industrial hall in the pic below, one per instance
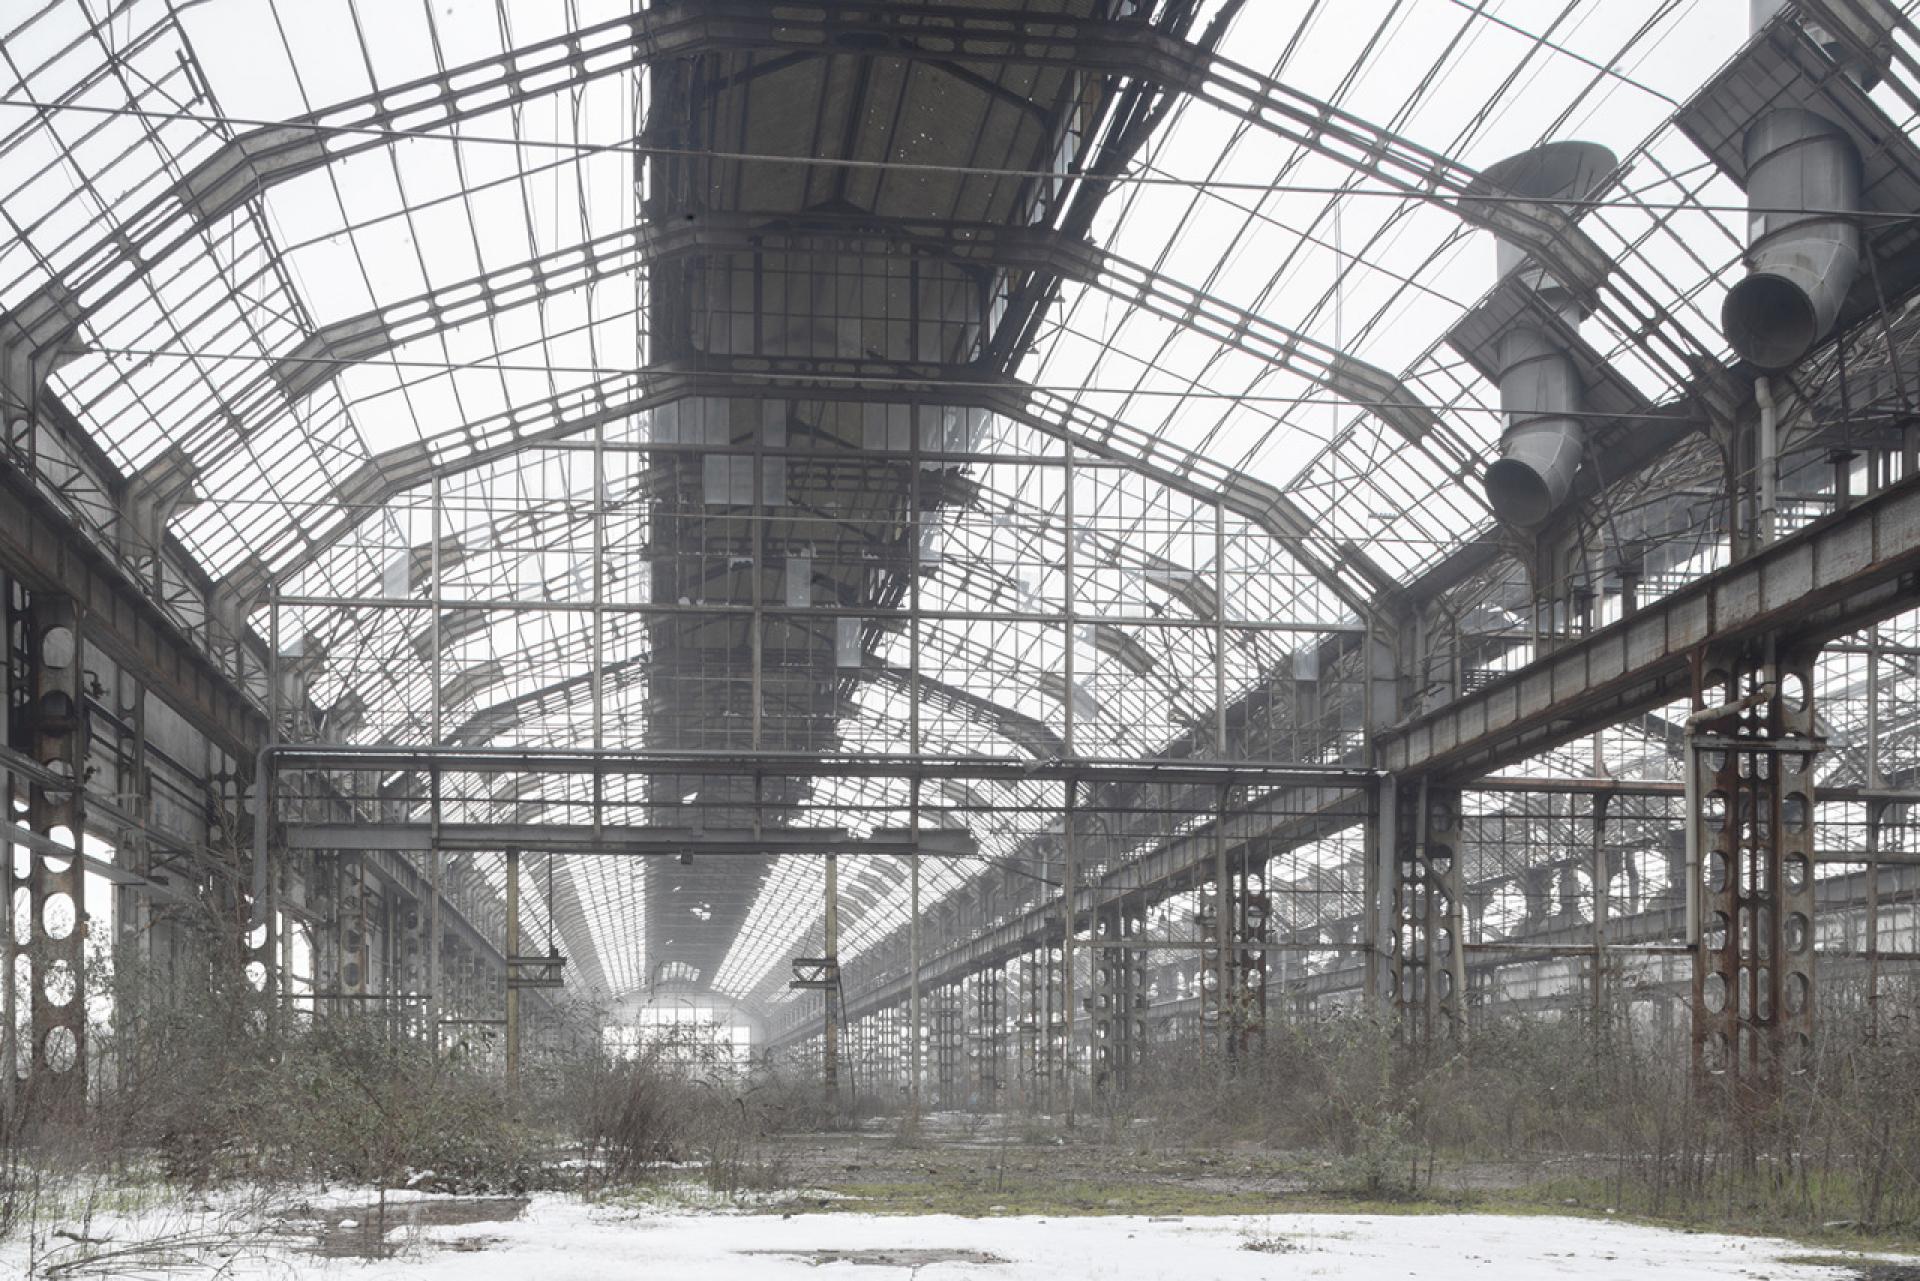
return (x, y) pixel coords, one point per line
(989, 570)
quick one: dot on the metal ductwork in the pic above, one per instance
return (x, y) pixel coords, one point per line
(1800, 265)
(1540, 390)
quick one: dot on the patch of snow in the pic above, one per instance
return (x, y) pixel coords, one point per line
(564, 1236)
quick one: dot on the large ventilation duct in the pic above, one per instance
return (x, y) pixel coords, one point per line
(1802, 171)
(1541, 447)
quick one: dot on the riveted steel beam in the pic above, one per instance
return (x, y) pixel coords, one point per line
(1840, 574)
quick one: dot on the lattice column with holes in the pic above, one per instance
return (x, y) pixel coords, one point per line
(1753, 828)
(1247, 1007)
(1028, 1005)
(1118, 1000)
(944, 1027)
(353, 955)
(1054, 1049)
(48, 966)
(1213, 1015)
(1430, 973)
(989, 1035)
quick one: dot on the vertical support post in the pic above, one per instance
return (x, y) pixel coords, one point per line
(57, 717)
(436, 730)
(1876, 817)
(1383, 972)
(916, 536)
(913, 982)
(513, 969)
(1069, 892)
(1222, 960)
(830, 1043)
(1429, 914)
(1751, 739)
(1601, 872)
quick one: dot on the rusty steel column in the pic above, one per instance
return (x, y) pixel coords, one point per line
(512, 972)
(1430, 959)
(55, 949)
(1751, 742)
(1251, 908)
(830, 995)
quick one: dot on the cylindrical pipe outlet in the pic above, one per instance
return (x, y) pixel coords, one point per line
(1801, 258)
(1541, 447)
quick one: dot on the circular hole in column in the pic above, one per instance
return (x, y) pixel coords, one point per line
(1717, 932)
(1797, 872)
(1716, 871)
(22, 917)
(1793, 812)
(1713, 993)
(350, 974)
(56, 647)
(257, 975)
(1713, 811)
(55, 708)
(1796, 933)
(1795, 992)
(62, 1049)
(59, 984)
(1793, 691)
(57, 916)
(1713, 1052)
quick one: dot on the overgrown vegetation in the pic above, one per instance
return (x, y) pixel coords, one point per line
(200, 1085)
(1602, 1113)
(203, 1085)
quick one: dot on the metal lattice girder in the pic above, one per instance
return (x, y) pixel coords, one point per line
(1840, 574)
(1346, 571)
(250, 163)
(1012, 249)
(616, 839)
(337, 346)
(1284, 820)
(775, 764)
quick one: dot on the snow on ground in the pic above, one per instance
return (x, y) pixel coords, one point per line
(566, 1240)
(562, 1239)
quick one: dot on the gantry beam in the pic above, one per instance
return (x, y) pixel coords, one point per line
(1088, 770)
(617, 839)
(1844, 572)
(48, 553)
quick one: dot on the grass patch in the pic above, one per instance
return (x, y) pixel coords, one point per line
(988, 1196)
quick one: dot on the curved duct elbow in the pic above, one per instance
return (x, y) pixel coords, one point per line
(1544, 440)
(1541, 448)
(1801, 258)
